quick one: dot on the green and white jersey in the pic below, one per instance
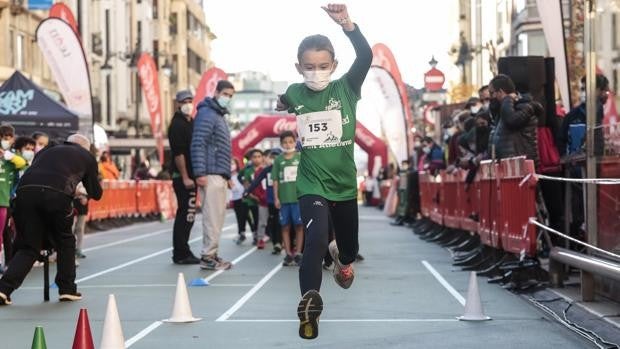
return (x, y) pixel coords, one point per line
(285, 172)
(326, 128)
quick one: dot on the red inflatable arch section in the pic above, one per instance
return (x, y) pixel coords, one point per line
(265, 126)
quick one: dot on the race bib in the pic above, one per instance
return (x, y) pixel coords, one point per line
(321, 128)
(290, 173)
(269, 180)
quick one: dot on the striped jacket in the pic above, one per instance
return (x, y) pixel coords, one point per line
(210, 149)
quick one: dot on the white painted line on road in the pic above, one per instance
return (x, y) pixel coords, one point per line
(234, 262)
(121, 229)
(138, 260)
(156, 324)
(345, 320)
(444, 283)
(250, 293)
(142, 334)
(119, 242)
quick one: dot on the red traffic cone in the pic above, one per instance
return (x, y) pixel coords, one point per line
(83, 338)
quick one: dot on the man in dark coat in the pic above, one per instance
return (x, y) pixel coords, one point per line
(43, 212)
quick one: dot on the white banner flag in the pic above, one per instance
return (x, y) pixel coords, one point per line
(64, 54)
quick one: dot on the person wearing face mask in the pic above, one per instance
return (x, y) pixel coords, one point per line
(42, 140)
(572, 133)
(434, 157)
(516, 118)
(24, 148)
(485, 98)
(210, 152)
(10, 166)
(179, 138)
(326, 177)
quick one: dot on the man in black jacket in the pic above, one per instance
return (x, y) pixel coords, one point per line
(516, 120)
(180, 138)
(43, 212)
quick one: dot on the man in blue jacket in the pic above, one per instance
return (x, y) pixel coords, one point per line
(211, 156)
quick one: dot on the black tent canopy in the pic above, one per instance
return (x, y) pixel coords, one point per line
(27, 108)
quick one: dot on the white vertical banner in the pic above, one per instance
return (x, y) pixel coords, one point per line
(550, 12)
(64, 54)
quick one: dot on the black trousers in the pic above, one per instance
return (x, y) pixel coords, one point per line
(317, 213)
(42, 217)
(240, 214)
(274, 230)
(184, 219)
(247, 214)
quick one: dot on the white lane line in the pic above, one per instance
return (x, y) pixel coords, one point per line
(142, 334)
(156, 324)
(249, 294)
(121, 229)
(234, 262)
(346, 320)
(138, 260)
(120, 242)
(444, 283)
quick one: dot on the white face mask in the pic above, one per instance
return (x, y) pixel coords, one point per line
(28, 155)
(474, 109)
(582, 96)
(5, 144)
(291, 150)
(187, 108)
(426, 150)
(223, 101)
(317, 80)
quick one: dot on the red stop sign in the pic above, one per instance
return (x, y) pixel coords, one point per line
(434, 79)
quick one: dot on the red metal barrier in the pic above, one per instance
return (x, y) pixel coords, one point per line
(517, 205)
(131, 198)
(489, 211)
(497, 204)
(469, 203)
(426, 202)
(450, 197)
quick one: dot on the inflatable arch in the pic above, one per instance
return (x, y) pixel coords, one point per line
(265, 126)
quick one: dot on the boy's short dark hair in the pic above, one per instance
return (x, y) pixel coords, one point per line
(266, 152)
(223, 84)
(254, 151)
(286, 134)
(316, 42)
(504, 83)
(23, 141)
(7, 130)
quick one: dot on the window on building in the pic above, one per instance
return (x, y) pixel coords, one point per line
(19, 51)
(173, 23)
(155, 10)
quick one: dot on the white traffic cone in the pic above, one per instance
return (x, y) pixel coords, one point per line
(182, 310)
(473, 306)
(112, 337)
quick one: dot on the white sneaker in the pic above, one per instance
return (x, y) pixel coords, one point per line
(343, 274)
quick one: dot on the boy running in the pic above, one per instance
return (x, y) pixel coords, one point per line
(284, 174)
(326, 177)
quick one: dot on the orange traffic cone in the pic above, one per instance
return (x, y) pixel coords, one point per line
(83, 337)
